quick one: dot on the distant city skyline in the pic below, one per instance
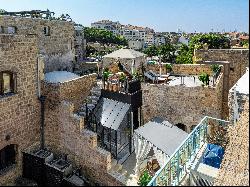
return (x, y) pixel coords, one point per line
(160, 15)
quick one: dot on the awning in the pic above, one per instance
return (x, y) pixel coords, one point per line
(111, 113)
(162, 135)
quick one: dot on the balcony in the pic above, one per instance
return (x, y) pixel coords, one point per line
(177, 168)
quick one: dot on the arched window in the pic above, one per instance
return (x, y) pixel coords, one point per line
(181, 126)
(7, 83)
(7, 156)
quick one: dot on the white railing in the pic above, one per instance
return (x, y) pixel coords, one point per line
(176, 167)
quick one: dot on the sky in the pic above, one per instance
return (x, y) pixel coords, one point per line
(161, 15)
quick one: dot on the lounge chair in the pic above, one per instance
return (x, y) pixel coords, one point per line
(154, 77)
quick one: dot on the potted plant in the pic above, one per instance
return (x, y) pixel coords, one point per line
(204, 78)
(105, 76)
(215, 68)
(144, 179)
(169, 68)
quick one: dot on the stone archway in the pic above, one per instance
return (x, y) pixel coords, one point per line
(181, 126)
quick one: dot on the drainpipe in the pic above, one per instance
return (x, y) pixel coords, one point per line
(42, 101)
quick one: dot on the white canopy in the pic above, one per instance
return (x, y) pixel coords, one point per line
(162, 134)
(124, 53)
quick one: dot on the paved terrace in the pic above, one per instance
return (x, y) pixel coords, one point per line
(188, 81)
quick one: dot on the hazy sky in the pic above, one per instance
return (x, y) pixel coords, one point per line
(161, 15)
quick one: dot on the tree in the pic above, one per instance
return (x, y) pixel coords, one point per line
(103, 36)
(185, 55)
(151, 51)
(2, 11)
(168, 53)
(211, 40)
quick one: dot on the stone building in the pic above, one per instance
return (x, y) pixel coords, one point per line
(19, 104)
(234, 61)
(55, 38)
(79, 44)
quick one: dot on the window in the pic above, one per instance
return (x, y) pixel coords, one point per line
(7, 83)
(11, 30)
(7, 157)
(1, 29)
(46, 31)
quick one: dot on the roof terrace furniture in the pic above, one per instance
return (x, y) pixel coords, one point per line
(155, 77)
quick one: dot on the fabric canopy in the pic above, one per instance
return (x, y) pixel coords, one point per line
(162, 135)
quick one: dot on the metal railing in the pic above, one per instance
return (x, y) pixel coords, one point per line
(209, 130)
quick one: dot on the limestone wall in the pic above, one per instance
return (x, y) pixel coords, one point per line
(74, 91)
(182, 69)
(65, 134)
(85, 67)
(180, 104)
(238, 59)
(235, 62)
(20, 112)
(57, 47)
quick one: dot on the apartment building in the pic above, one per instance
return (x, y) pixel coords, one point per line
(108, 25)
(138, 35)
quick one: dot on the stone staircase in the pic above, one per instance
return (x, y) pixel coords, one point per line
(118, 172)
(91, 99)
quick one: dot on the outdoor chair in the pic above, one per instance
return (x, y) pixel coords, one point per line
(154, 77)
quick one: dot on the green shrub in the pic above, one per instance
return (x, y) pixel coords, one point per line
(204, 78)
(215, 67)
(144, 179)
(169, 67)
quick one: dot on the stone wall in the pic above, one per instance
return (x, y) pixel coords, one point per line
(181, 104)
(86, 67)
(57, 47)
(65, 134)
(74, 91)
(181, 69)
(238, 59)
(20, 112)
(235, 62)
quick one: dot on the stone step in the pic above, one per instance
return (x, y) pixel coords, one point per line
(117, 168)
(123, 172)
(113, 162)
(90, 106)
(96, 88)
(93, 97)
(96, 93)
(81, 113)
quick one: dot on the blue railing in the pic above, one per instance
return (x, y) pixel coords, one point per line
(209, 130)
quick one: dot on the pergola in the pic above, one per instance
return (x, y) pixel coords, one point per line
(159, 135)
